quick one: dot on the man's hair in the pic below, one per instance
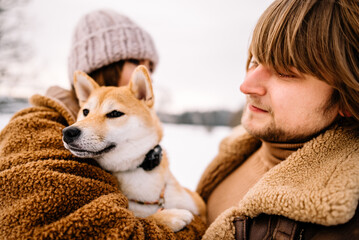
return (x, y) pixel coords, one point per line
(317, 37)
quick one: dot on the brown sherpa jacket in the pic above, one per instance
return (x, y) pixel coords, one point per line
(47, 193)
(315, 188)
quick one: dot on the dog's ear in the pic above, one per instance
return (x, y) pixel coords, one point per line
(83, 85)
(141, 86)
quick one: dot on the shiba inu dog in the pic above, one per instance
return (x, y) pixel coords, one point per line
(118, 127)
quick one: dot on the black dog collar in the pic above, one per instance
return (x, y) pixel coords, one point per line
(153, 159)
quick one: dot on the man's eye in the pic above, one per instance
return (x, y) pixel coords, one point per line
(114, 114)
(85, 112)
(284, 75)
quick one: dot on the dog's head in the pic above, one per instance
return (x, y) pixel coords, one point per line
(116, 126)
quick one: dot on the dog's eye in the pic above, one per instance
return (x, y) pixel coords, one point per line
(85, 112)
(114, 114)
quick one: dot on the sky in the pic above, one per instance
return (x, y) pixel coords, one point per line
(202, 47)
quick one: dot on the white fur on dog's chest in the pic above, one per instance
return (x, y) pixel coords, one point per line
(146, 186)
(141, 185)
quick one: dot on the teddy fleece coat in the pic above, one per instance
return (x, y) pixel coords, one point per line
(48, 193)
(317, 184)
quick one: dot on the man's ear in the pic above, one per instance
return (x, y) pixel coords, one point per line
(83, 85)
(141, 86)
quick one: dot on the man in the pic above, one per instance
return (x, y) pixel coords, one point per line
(291, 170)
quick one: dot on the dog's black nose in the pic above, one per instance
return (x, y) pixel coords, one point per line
(71, 134)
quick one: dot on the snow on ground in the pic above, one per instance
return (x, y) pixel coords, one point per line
(189, 149)
(4, 119)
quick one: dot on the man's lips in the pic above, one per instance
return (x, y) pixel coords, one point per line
(256, 109)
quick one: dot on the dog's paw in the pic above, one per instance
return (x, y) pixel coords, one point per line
(176, 219)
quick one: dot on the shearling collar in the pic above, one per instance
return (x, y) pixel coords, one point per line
(319, 183)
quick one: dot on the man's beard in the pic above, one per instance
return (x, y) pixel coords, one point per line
(274, 133)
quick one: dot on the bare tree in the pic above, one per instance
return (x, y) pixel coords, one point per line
(14, 50)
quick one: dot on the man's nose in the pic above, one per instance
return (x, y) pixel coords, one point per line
(256, 81)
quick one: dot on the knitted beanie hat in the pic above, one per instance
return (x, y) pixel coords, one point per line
(103, 37)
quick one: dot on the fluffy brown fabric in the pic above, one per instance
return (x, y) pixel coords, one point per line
(47, 193)
(318, 184)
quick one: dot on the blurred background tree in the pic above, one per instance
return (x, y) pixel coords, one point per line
(14, 49)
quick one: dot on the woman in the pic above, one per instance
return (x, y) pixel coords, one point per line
(45, 191)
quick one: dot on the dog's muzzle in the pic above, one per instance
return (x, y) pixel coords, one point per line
(70, 134)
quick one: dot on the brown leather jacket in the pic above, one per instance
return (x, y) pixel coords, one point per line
(313, 194)
(279, 227)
